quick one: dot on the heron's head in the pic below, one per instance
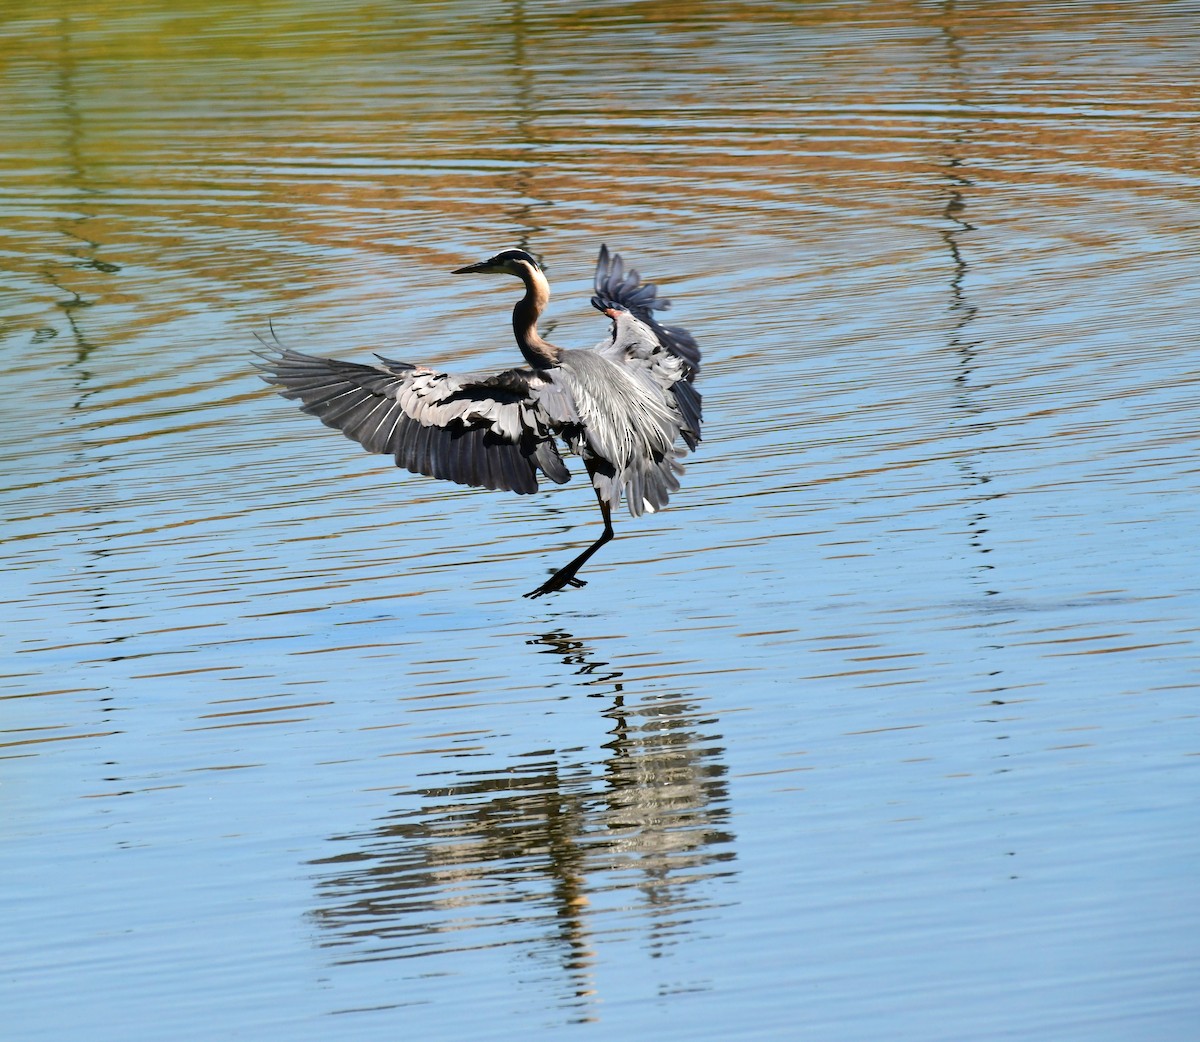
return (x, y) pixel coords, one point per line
(507, 262)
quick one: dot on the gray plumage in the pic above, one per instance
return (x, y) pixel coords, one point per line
(628, 407)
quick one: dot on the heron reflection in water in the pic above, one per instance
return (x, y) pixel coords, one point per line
(628, 407)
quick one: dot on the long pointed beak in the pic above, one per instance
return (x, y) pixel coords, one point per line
(470, 268)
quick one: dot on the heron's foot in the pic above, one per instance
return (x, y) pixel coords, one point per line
(556, 582)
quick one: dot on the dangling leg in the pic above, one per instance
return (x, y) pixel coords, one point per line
(566, 576)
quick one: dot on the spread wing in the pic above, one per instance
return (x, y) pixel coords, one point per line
(669, 354)
(492, 432)
(617, 287)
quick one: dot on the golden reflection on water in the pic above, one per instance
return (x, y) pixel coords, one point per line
(220, 145)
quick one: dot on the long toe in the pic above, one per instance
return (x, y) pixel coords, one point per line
(556, 583)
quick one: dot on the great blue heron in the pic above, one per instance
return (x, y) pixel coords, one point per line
(624, 406)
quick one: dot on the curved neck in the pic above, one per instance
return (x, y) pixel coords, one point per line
(538, 352)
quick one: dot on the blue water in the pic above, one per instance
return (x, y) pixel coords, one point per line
(886, 727)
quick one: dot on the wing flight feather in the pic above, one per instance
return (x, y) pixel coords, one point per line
(624, 289)
(487, 431)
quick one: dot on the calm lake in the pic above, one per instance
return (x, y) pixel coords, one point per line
(887, 729)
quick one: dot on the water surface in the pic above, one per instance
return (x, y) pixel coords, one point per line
(886, 727)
